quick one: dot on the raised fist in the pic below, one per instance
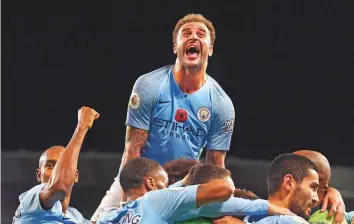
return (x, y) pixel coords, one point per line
(86, 116)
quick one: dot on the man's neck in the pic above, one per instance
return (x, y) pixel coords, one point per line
(279, 200)
(135, 194)
(189, 80)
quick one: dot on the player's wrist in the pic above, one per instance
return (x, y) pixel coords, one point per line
(82, 126)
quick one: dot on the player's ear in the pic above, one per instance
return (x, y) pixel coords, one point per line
(150, 183)
(175, 48)
(211, 50)
(77, 176)
(289, 182)
(38, 174)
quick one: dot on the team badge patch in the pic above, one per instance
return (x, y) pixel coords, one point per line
(203, 114)
(134, 101)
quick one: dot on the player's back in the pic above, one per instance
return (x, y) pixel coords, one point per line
(158, 206)
(180, 124)
(134, 212)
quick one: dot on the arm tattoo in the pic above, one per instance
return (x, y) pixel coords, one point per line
(216, 157)
(135, 140)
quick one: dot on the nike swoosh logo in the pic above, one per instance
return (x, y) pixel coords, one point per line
(65, 218)
(162, 102)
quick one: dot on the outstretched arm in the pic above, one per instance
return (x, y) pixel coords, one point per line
(63, 176)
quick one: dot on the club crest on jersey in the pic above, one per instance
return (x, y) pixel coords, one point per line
(134, 101)
(203, 114)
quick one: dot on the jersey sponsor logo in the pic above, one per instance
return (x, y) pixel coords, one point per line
(177, 130)
(203, 114)
(181, 115)
(134, 101)
(130, 218)
(229, 125)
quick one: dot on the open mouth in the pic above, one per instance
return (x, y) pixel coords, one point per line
(192, 50)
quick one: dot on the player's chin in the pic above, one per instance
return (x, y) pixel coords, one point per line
(192, 63)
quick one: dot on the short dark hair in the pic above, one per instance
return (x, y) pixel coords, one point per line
(192, 17)
(204, 173)
(134, 172)
(287, 163)
(178, 169)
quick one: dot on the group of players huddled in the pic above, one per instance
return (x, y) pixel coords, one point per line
(174, 113)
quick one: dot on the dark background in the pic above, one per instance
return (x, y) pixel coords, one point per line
(287, 66)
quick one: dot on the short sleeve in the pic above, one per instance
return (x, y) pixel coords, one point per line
(222, 126)
(29, 201)
(142, 101)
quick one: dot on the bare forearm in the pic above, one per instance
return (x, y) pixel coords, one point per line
(63, 176)
(130, 153)
(216, 157)
(135, 141)
(214, 191)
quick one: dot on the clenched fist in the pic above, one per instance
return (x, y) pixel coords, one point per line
(86, 116)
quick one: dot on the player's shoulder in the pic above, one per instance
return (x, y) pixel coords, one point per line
(287, 219)
(76, 213)
(161, 193)
(221, 103)
(33, 190)
(218, 92)
(109, 215)
(155, 76)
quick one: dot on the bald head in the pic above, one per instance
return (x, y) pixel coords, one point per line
(319, 160)
(323, 167)
(47, 162)
(52, 153)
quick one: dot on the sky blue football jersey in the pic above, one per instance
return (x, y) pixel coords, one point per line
(30, 210)
(180, 124)
(178, 204)
(275, 219)
(160, 206)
